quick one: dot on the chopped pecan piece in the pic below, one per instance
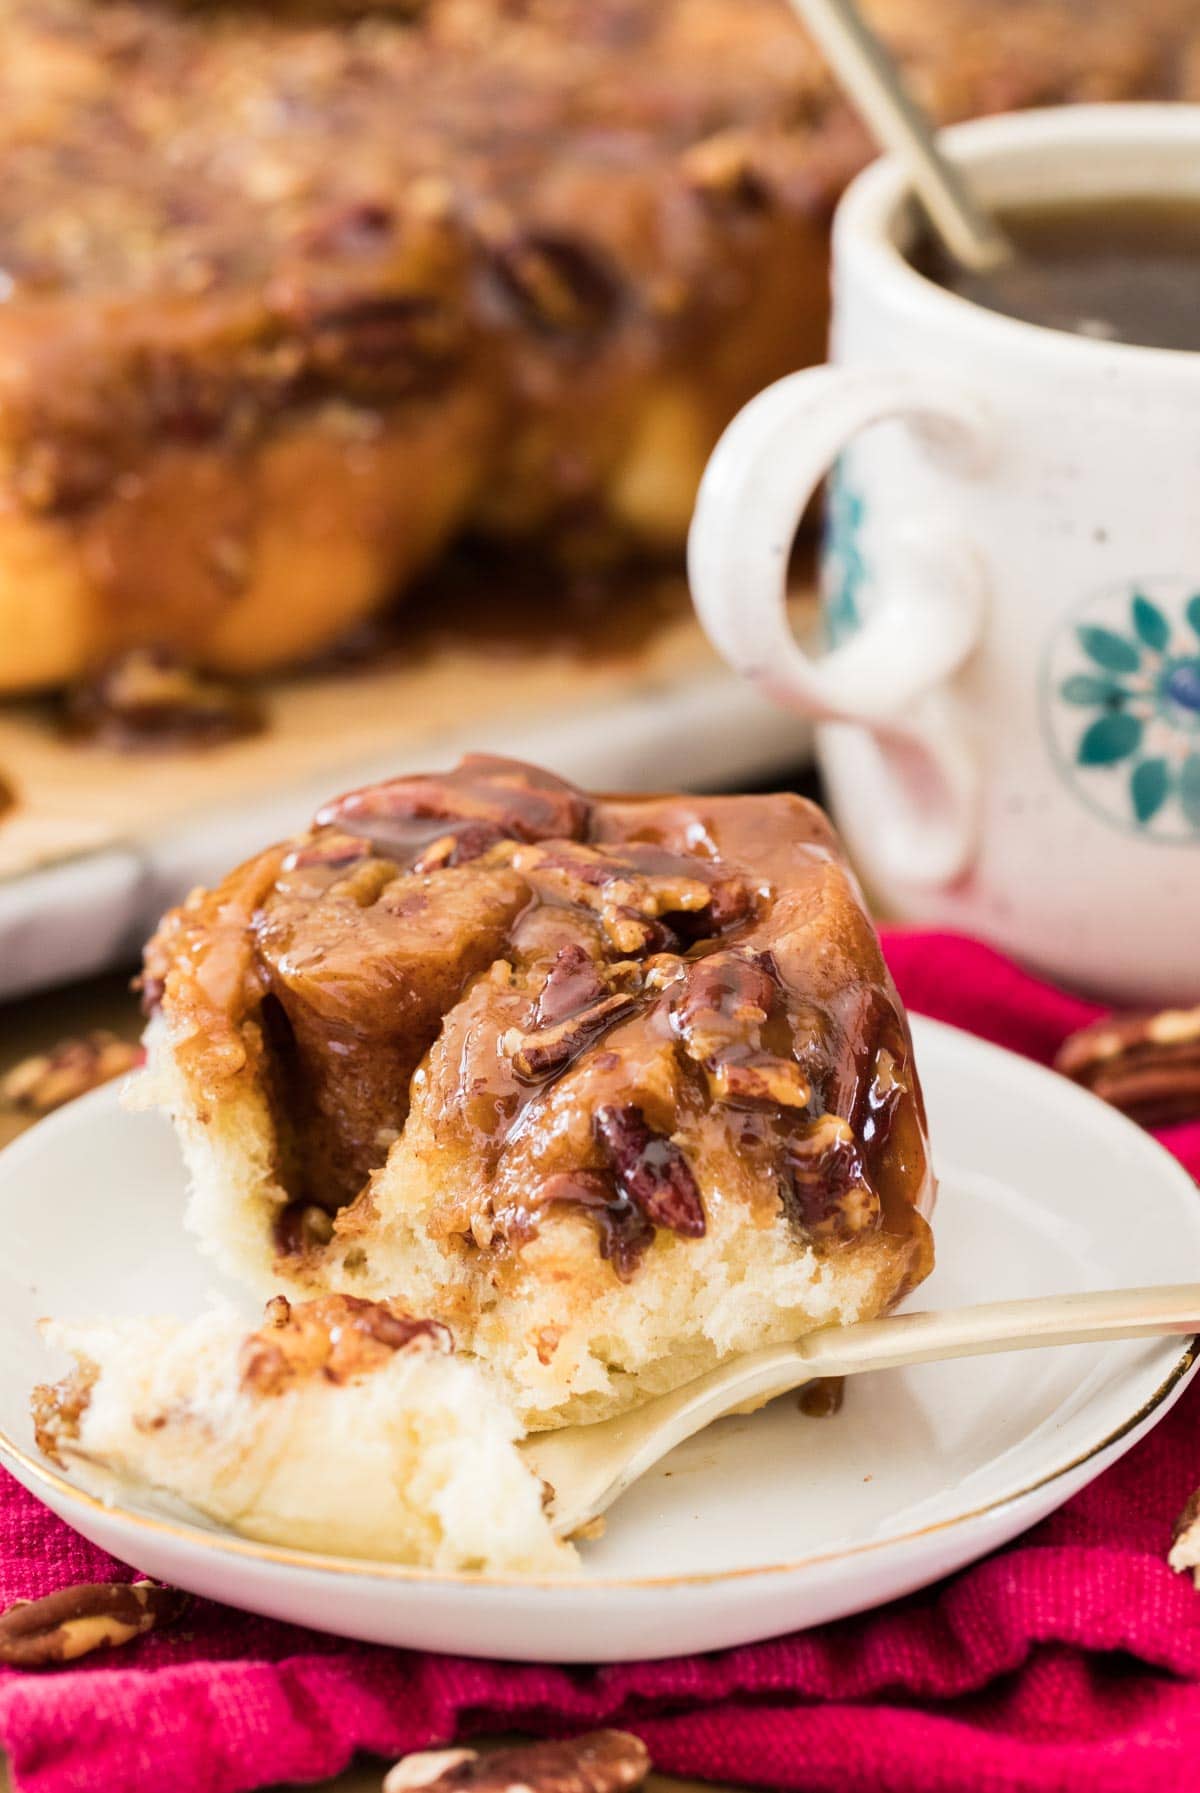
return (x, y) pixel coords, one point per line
(661, 970)
(360, 227)
(301, 1227)
(572, 983)
(601, 881)
(558, 285)
(650, 1169)
(759, 1079)
(722, 170)
(57, 1409)
(457, 847)
(719, 1014)
(520, 802)
(147, 698)
(599, 1762)
(625, 1232)
(634, 934)
(827, 1192)
(74, 1621)
(1148, 1066)
(627, 900)
(731, 900)
(724, 1002)
(331, 848)
(551, 1049)
(338, 1337)
(47, 1080)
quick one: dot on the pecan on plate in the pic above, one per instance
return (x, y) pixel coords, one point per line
(1148, 1066)
(599, 1762)
(46, 1080)
(74, 1621)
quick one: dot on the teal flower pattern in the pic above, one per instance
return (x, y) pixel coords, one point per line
(843, 569)
(1123, 698)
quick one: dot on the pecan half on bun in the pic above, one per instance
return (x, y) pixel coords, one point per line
(611, 1086)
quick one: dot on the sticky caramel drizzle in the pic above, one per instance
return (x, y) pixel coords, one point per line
(614, 1003)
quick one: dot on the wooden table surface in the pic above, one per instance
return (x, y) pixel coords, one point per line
(37, 1022)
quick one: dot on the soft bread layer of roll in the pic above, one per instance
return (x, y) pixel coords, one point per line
(412, 1461)
(570, 1341)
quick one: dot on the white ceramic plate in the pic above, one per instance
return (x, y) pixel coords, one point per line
(760, 1526)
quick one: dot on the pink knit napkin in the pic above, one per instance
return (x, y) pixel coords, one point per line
(1069, 1660)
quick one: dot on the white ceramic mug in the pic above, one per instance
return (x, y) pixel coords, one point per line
(1009, 706)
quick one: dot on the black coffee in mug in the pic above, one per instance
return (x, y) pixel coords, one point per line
(1121, 270)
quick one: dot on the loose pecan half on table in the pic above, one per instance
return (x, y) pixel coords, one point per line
(599, 1762)
(1147, 1065)
(46, 1080)
(74, 1621)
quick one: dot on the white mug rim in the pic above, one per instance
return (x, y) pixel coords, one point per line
(865, 229)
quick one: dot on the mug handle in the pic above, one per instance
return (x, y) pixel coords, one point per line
(893, 675)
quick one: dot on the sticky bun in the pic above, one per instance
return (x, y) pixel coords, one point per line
(611, 1086)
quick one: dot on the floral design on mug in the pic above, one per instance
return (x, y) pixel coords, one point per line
(1123, 696)
(843, 569)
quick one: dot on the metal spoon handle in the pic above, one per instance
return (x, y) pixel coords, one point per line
(897, 123)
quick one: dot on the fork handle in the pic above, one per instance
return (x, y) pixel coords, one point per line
(590, 1466)
(1076, 1319)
